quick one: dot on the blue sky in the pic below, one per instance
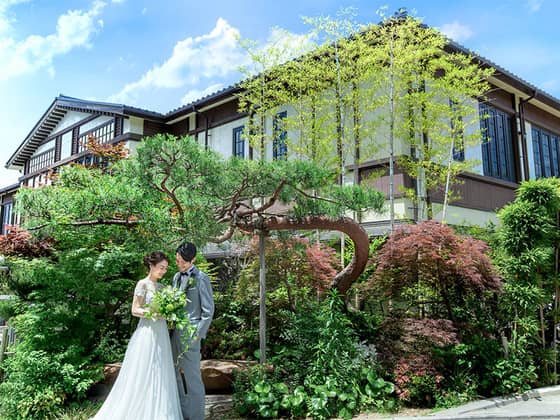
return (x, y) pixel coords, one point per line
(159, 55)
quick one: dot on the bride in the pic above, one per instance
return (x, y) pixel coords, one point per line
(146, 387)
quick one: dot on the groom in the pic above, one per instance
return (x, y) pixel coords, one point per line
(200, 309)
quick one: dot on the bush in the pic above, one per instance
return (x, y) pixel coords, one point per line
(293, 280)
(65, 306)
(38, 383)
(321, 370)
(409, 352)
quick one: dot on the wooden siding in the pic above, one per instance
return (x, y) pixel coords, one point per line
(7, 197)
(213, 117)
(476, 191)
(501, 99)
(151, 128)
(541, 118)
(75, 136)
(118, 126)
(180, 128)
(375, 174)
(57, 148)
(480, 193)
(74, 157)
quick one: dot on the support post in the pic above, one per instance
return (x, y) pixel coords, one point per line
(262, 295)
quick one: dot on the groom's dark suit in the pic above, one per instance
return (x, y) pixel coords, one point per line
(200, 310)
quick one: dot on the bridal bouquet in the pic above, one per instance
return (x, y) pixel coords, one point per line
(169, 303)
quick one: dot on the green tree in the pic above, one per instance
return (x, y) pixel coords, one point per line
(528, 254)
(394, 89)
(431, 93)
(263, 90)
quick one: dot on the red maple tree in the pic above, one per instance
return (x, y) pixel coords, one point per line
(432, 255)
(19, 242)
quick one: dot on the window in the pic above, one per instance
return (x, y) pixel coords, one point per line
(279, 146)
(90, 160)
(546, 151)
(497, 143)
(457, 124)
(238, 142)
(7, 216)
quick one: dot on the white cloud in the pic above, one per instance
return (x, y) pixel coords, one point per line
(5, 20)
(534, 5)
(203, 64)
(288, 45)
(194, 61)
(73, 29)
(456, 31)
(194, 94)
(280, 46)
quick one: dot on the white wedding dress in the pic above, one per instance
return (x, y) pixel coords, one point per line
(146, 388)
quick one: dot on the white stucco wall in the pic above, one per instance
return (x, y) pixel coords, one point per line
(403, 210)
(43, 147)
(464, 217)
(71, 117)
(66, 146)
(530, 151)
(132, 145)
(221, 138)
(473, 152)
(133, 125)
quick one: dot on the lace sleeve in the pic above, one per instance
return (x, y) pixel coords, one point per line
(140, 289)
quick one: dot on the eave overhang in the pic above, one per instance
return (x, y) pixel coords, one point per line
(56, 112)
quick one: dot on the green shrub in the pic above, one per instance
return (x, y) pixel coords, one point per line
(320, 370)
(37, 383)
(513, 375)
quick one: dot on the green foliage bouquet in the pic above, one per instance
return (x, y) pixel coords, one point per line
(169, 303)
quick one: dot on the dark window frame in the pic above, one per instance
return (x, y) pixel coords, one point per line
(7, 215)
(279, 145)
(459, 143)
(498, 158)
(546, 152)
(238, 142)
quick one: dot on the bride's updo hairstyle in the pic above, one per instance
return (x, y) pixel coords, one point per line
(154, 258)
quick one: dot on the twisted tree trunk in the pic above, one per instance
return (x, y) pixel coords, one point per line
(344, 279)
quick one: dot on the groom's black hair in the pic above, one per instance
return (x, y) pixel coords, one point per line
(187, 251)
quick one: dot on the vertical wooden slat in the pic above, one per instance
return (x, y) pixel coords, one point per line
(57, 148)
(75, 135)
(118, 126)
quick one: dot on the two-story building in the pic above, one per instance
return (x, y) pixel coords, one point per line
(522, 141)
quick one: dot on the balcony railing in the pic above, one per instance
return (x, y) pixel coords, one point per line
(41, 160)
(103, 134)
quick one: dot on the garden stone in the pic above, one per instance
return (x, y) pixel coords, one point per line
(217, 375)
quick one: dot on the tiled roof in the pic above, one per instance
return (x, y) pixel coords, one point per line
(9, 188)
(219, 94)
(56, 112)
(98, 106)
(529, 88)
